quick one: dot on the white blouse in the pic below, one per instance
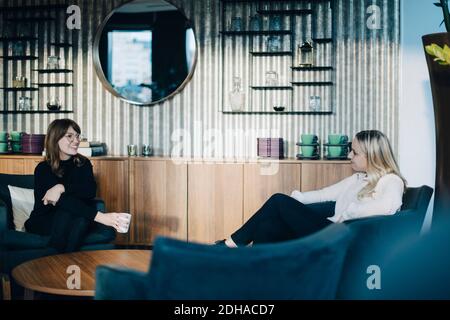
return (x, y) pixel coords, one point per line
(386, 200)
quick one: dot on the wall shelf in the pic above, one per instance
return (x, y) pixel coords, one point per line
(270, 53)
(285, 12)
(48, 71)
(43, 84)
(271, 87)
(31, 19)
(256, 33)
(252, 1)
(18, 39)
(18, 58)
(49, 85)
(61, 44)
(34, 8)
(306, 83)
(312, 68)
(280, 113)
(322, 40)
(34, 112)
(19, 89)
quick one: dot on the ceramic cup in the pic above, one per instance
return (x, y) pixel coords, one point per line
(16, 136)
(125, 219)
(337, 139)
(335, 151)
(309, 138)
(308, 151)
(3, 136)
(16, 147)
(3, 147)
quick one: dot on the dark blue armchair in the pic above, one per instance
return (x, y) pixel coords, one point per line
(18, 247)
(376, 237)
(307, 268)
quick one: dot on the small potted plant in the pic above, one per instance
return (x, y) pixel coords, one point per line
(437, 52)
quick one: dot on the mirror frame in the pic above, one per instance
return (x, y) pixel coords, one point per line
(101, 74)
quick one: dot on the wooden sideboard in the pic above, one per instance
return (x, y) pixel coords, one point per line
(193, 200)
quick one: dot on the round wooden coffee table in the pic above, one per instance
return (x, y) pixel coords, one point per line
(51, 274)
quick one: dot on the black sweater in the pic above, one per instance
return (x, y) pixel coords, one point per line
(78, 182)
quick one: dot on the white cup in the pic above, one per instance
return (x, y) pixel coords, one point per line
(124, 222)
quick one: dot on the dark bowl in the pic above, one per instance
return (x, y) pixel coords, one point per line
(53, 107)
(279, 109)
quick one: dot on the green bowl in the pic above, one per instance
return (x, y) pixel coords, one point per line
(3, 147)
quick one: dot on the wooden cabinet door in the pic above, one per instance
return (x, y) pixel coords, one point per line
(261, 182)
(317, 176)
(112, 186)
(30, 165)
(158, 194)
(215, 201)
(12, 166)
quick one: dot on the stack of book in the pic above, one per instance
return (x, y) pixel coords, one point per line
(271, 148)
(92, 149)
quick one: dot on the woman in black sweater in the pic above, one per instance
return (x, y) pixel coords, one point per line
(64, 184)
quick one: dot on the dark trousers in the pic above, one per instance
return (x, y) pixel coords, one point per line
(67, 223)
(283, 218)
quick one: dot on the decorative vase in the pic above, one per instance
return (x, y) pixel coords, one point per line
(440, 88)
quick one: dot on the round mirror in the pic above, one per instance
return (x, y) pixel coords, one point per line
(145, 51)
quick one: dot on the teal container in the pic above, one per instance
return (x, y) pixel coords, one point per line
(3, 136)
(16, 147)
(16, 136)
(3, 147)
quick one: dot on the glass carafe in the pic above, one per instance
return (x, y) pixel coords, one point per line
(237, 96)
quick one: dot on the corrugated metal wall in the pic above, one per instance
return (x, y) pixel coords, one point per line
(366, 89)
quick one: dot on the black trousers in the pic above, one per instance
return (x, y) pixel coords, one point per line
(283, 218)
(67, 223)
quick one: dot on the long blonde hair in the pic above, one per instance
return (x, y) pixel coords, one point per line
(380, 159)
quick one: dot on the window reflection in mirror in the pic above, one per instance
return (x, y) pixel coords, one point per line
(146, 51)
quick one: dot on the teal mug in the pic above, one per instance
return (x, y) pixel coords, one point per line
(3, 136)
(309, 151)
(16, 147)
(16, 136)
(309, 138)
(336, 151)
(3, 147)
(337, 139)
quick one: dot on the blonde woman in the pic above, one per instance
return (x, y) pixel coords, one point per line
(376, 188)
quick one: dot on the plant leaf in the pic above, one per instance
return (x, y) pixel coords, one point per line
(446, 53)
(438, 5)
(441, 55)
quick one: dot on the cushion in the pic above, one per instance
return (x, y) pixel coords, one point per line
(22, 201)
(23, 181)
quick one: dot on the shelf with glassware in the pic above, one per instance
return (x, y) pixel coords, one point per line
(22, 95)
(264, 32)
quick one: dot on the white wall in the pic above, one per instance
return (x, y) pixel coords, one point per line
(417, 151)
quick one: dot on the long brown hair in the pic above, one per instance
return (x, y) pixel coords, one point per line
(380, 159)
(57, 130)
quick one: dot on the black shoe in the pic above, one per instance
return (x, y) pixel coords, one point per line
(220, 242)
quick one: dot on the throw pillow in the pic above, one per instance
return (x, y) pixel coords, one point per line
(22, 204)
